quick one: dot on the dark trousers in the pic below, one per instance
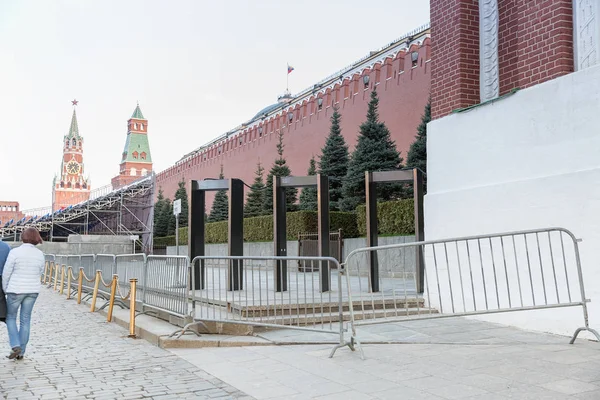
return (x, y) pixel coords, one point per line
(2, 303)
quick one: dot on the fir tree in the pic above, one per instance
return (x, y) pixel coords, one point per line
(279, 168)
(160, 229)
(334, 160)
(308, 197)
(220, 206)
(168, 218)
(181, 194)
(375, 151)
(255, 200)
(417, 155)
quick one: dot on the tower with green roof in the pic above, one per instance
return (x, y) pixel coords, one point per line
(136, 161)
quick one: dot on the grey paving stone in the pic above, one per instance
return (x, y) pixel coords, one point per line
(570, 386)
(486, 382)
(430, 382)
(404, 392)
(529, 392)
(458, 391)
(595, 395)
(75, 354)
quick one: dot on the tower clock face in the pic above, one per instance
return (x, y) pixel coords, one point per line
(73, 167)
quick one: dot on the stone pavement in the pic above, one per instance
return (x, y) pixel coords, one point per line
(74, 354)
(462, 359)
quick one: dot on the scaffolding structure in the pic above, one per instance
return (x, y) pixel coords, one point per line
(125, 211)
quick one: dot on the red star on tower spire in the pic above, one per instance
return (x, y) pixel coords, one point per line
(74, 102)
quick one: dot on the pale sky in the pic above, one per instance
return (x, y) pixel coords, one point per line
(197, 68)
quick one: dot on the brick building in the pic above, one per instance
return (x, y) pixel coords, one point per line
(400, 72)
(71, 187)
(9, 210)
(136, 161)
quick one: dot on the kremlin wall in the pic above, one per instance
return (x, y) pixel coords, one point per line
(401, 74)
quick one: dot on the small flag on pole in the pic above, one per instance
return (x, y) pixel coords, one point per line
(290, 69)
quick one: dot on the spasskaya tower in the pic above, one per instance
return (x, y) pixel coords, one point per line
(71, 187)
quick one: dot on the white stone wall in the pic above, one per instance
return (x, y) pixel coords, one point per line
(531, 160)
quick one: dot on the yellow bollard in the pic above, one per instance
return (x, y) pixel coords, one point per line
(69, 273)
(49, 277)
(80, 282)
(111, 303)
(62, 280)
(98, 277)
(55, 277)
(133, 283)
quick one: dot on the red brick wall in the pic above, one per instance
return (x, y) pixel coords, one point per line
(403, 92)
(63, 198)
(125, 177)
(535, 44)
(535, 41)
(454, 55)
(9, 210)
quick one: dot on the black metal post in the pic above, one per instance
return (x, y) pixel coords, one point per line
(340, 246)
(196, 232)
(236, 234)
(418, 189)
(371, 213)
(323, 227)
(279, 233)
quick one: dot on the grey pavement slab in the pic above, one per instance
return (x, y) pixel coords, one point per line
(457, 358)
(75, 354)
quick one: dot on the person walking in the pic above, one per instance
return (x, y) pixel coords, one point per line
(4, 250)
(21, 283)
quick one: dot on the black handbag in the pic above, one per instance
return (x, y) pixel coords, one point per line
(2, 303)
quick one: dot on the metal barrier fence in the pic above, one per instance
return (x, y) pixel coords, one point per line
(88, 266)
(477, 275)
(166, 283)
(106, 264)
(129, 266)
(514, 271)
(167, 277)
(271, 292)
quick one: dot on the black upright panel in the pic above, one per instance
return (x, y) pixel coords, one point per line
(236, 234)
(196, 232)
(371, 180)
(418, 190)
(323, 224)
(280, 236)
(372, 235)
(236, 227)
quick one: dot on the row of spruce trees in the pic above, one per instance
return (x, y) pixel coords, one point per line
(375, 151)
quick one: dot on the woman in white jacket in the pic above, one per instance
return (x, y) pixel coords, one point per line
(21, 283)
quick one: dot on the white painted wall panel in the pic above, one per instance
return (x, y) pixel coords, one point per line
(528, 161)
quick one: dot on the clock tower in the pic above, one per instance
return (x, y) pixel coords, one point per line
(70, 186)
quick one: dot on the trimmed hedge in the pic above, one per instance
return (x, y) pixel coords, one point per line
(260, 229)
(393, 218)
